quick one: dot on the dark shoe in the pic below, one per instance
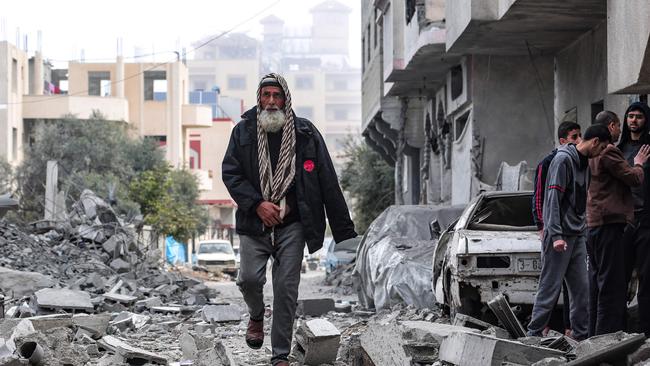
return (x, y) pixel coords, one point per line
(255, 334)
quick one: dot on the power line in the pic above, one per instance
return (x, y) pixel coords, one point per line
(156, 65)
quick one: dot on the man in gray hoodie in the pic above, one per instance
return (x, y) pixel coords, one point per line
(564, 253)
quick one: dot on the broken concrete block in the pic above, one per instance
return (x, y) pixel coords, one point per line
(479, 350)
(127, 319)
(47, 322)
(148, 303)
(124, 299)
(95, 324)
(221, 313)
(110, 360)
(640, 355)
(551, 361)
(165, 309)
(120, 265)
(59, 298)
(130, 353)
(188, 347)
(318, 341)
(382, 344)
(463, 320)
(613, 353)
(19, 284)
(343, 307)
(314, 307)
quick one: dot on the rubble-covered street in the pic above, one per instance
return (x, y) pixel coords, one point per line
(88, 291)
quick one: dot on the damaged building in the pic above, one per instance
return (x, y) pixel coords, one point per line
(466, 96)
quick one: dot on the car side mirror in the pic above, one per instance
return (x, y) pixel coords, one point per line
(435, 229)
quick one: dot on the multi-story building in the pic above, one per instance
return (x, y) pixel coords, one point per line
(314, 61)
(15, 81)
(465, 96)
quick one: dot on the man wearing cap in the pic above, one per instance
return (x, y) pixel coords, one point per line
(278, 171)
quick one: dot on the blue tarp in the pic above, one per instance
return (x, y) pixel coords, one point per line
(175, 251)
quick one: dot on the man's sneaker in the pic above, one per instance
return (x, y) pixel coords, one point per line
(255, 334)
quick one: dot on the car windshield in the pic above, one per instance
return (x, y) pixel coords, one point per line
(210, 248)
(504, 213)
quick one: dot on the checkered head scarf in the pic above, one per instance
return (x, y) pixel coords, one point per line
(276, 184)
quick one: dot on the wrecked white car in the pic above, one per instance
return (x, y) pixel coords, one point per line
(492, 249)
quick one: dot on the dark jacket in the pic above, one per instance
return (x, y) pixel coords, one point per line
(630, 148)
(539, 189)
(610, 198)
(565, 199)
(317, 189)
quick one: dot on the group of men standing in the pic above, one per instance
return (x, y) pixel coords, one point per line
(592, 206)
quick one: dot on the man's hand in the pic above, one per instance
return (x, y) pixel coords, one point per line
(269, 213)
(642, 156)
(560, 245)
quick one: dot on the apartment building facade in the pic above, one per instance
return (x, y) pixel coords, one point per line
(465, 96)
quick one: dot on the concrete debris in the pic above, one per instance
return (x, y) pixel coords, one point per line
(500, 307)
(124, 299)
(317, 342)
(221, 313)
(551, 361)
(125, 320)
(314, 307)
(607, 348)
(130, 353)
(18, 284)
(63, 299)
(165, 309)
(478, 350)
(640, 355)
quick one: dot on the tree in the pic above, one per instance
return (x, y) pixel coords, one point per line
(368, 180)
(95, 154)
(168, 200)
(6, 174)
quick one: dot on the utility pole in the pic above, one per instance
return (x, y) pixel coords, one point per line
(51, 188)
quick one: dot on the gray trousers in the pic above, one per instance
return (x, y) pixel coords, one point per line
(287, 261)
(570, 265)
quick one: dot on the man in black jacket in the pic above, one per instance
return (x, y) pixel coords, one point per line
(279, 172)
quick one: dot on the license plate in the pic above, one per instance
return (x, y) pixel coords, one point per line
(529, 265)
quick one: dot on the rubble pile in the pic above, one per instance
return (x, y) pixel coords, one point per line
(408, 336)
(341, 279)
(86, 291)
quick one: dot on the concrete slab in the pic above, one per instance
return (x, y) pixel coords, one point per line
(221, 313)
(120, 265)
(314, 307)
(469, 349)
(124, 299)
(51, 298)
(130, 353)
(165, 309)
(96, 324)
(130, 320)
(382, 343)
(19, 283)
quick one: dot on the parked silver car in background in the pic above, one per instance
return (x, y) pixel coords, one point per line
(492, 249)
(217, 256)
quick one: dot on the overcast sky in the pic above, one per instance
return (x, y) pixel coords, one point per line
(68, 26)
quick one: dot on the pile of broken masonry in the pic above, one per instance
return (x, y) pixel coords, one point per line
(85, 291)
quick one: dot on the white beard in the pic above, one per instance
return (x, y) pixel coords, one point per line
(272, 121)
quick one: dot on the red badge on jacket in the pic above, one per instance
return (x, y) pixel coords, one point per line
(308, 165)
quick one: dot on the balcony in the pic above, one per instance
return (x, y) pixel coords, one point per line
(195, 115)
(82, 107)
(510, 27)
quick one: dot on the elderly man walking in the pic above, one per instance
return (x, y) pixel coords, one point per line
(279, 172)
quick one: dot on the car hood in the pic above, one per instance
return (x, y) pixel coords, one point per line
(216, 257)
(488, 242)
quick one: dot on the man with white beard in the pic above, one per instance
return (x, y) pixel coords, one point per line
(278, 171)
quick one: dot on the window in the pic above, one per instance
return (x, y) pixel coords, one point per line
(410, 10)
(199, 85)
(14, 141)
(596, 108)
(459, 125)
(14, 75)
(456, 82)
(305, 82)
(305, 112)
(376, 26)
(155, 85)
(363, 54)
(99, 83)
(340, 114)
(236, 82)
